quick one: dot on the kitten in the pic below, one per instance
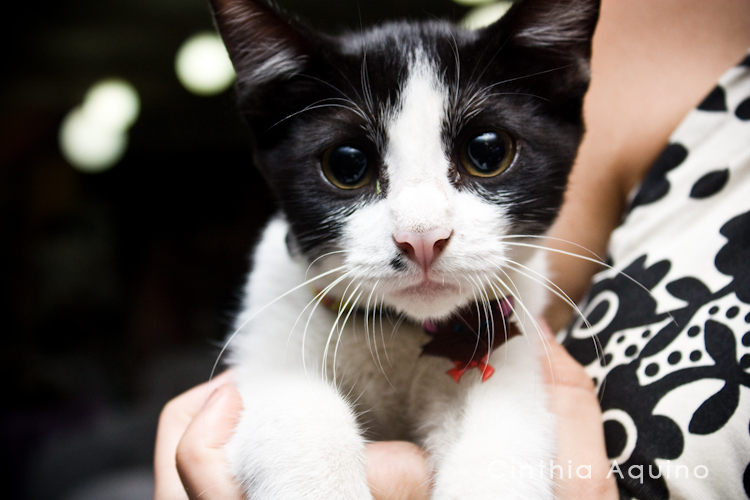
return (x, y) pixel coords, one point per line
(414, 164)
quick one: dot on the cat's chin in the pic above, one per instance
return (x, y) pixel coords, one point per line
(427, 300)
(428, 289)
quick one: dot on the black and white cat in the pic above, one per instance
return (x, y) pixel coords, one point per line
(414, 164)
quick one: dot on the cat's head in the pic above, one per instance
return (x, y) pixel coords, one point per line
(415, 154)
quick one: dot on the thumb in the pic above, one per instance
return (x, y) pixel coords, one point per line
(200, 458)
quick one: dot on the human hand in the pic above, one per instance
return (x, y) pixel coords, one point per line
(581, 452)
(189, 460)
(397, 470)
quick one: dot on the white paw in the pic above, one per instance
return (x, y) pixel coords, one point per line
(298, 441)
(485, 478)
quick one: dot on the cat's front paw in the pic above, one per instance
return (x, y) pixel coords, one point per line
(499, 458)
(492, 479)
(298, 440)
(334, 477)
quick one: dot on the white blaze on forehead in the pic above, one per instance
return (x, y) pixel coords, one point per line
(416, 160)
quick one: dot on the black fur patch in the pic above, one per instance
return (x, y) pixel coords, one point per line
(398, 263)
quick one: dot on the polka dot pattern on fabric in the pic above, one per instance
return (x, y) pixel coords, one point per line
(743, 110)
(715, 101)
(674, 358)
(710, 184)
(656, 185)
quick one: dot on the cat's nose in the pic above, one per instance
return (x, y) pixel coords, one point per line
(423, 247)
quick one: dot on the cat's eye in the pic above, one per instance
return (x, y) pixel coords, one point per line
(347, 167)
(488, 154)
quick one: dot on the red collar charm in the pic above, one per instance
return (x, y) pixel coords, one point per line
(469, 337)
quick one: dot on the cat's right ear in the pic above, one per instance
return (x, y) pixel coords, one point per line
(263, 45)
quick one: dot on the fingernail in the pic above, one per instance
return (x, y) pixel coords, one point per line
(221, 412)
(214, 397)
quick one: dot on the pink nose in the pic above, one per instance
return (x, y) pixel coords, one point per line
(423, 247)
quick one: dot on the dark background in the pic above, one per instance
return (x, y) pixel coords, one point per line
(116, 288)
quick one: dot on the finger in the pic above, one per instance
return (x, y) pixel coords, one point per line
(201, 461)
(581, 451)
(174, 419)
(397, 470)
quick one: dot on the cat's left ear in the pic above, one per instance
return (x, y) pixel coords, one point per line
(264, 45)
(562, 26)
(544, 30)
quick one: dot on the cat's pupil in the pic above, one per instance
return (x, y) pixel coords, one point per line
(486, 152)
(348, 166)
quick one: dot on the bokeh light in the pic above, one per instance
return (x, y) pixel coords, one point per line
(484, 15)
(93, 136)
(473, 3)
(114, 103)
(203, 66)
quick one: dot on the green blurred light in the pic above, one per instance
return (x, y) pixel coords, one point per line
(479, 17)
(203, 66)
(473, 3)
(93, 136)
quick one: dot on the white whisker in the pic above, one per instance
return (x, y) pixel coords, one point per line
(258, 311)
(327, 254)
(498, 292)
(367, 320)
(319, 105)
(531, 319)
(557, 291)
(349, 309)
(491, 321)
(475, 289)
(318, 300)
(334, 326)
(552, 238)
(588, 259)
(382, 333)
(548, 284)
